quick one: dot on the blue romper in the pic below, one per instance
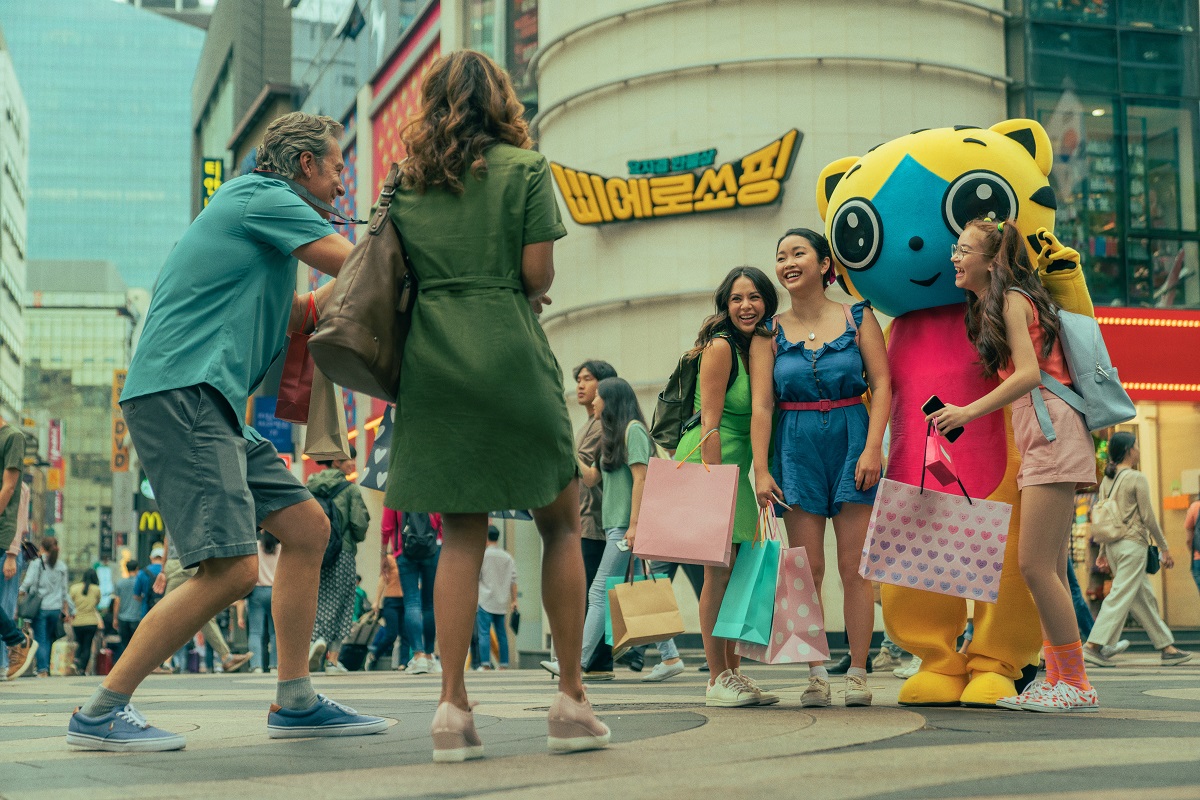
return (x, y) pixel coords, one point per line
(816, 451)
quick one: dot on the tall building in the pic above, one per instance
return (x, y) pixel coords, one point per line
(79, 324)
(14, 189)
(108, 89)
(193, 12)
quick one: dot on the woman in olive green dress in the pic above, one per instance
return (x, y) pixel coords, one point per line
(481, 423)
(744, 302)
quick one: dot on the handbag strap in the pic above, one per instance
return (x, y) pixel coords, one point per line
(645, 569)
(931, 432)
(699, 444)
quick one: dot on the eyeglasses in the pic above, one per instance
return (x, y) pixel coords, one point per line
(960, 250)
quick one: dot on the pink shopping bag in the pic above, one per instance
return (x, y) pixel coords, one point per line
(798, 624)
(687, 513)
(937, 542)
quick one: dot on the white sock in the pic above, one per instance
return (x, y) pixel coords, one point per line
(859, 671)
(818, 672)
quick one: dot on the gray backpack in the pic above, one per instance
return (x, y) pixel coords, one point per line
(1095, 391)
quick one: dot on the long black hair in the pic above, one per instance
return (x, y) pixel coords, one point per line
(1119, 445)
(620, 408)
(719, 324)
(90, 579)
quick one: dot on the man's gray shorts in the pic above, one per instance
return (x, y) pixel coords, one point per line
(212, 485)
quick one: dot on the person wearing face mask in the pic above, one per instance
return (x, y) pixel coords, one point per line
(743, 302)
(828, 449)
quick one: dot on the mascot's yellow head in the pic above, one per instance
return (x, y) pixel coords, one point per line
(892, 215)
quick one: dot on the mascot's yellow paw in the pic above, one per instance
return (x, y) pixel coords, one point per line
(933, 689)
(986, 688)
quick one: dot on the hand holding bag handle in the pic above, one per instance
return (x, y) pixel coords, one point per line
(931, 432)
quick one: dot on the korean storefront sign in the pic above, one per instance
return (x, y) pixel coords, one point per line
(753, 180)
(120, 449)
(212, 175)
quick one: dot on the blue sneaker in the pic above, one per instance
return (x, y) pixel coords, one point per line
(122, 730)
(324, 718)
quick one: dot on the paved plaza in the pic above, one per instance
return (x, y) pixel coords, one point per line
(1144, 743)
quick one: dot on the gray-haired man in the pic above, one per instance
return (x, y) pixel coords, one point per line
(222, 308)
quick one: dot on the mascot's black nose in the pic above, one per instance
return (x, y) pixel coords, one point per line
(916, 243)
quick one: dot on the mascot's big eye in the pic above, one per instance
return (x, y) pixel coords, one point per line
(978, 194)
(857, 234)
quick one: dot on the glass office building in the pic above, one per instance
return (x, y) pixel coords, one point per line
(109, 94)
(1116, 83)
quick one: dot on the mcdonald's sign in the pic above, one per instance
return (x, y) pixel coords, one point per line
(150, 521)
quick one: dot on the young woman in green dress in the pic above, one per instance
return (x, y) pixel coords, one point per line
(481, 421)
(745, 301)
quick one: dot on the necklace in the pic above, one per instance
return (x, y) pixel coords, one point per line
(812, 329)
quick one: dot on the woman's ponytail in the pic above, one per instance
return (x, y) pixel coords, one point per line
(1119, 445)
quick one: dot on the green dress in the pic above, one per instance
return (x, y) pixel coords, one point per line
(735, 449)
(481, 421)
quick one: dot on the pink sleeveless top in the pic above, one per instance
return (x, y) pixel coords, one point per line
(1054, 364)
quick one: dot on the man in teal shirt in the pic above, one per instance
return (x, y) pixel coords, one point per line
(223, 306)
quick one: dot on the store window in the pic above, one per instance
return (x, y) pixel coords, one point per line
(1169, 14)
(481, 26)
(1084, 59)
(1087, 179)
(1165, 273)
(1162, 167)
(1153, 63)
(1095, 11)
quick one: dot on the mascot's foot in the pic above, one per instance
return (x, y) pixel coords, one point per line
(986, 688)
(933, 689)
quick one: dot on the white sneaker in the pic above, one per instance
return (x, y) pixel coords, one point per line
(663, 671)
(550, 666)
(418, 666)
(817, 695)
(316, 653)
(435, 665)
(256, 671)
(763, 698)
(884, 661)
(335, 668)
(907, 672)
(857, 693)
(1115, 650)
(726, 692)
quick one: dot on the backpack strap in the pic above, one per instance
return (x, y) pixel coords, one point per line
(1062, 392)
(775, 338)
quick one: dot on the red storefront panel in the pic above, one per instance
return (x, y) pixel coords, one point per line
(1155, 351)
(402, 103)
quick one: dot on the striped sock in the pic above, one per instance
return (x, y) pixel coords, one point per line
(1070, 664)
(1053, 675)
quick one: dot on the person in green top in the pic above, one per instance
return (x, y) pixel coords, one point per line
(743, 302)
(481, 421)
(625, 450)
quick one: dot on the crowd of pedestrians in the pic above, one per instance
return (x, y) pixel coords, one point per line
(780, 394)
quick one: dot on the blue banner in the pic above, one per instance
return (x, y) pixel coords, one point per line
(276, 431)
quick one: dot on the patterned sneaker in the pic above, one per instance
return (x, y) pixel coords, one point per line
(857, 693)
(122, 730)
(907, 672)
(764, 698)
(1064, 698)
(728, 692)
(323, 718)
(1034, 691)
(817, 695)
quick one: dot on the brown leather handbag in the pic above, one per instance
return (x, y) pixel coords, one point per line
(359, 342)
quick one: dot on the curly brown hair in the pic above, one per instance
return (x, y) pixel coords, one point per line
(1011, 269)
(467, 105)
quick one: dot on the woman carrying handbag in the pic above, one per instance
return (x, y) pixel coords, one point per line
(1126, 557)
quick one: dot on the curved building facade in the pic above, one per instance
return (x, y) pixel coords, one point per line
(644, 92)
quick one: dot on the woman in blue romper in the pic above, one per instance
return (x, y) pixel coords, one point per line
(809, 380)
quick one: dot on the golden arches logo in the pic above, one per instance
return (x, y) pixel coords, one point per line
(150, 521)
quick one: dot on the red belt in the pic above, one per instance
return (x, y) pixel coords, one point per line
(820, 405)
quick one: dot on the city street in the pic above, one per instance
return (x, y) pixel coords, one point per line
(666, 743)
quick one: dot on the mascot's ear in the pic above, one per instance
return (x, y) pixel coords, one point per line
(827, 181)
(1032, 136)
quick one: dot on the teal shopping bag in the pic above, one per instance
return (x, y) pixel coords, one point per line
(749, 604)
(608, 584)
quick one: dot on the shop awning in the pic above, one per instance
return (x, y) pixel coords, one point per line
(1156, 351)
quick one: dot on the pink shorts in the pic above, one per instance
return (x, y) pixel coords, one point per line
(1070, 458)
